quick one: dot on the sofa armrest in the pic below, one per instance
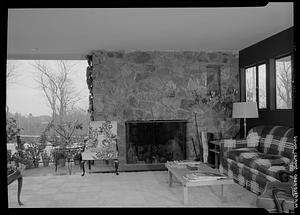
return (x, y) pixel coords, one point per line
(285, 175)
(228, 144)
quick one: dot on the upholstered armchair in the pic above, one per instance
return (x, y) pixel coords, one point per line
(101, 143)
(278, 196)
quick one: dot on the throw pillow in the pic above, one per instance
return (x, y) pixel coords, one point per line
(252, 139)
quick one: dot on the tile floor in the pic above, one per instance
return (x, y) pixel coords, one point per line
(128, 189)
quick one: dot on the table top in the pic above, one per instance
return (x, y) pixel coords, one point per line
(181, 171)
(13, 176)
(215, 142)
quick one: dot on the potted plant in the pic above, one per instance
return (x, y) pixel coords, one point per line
(59, 157)
(9, 156)
(22, 157)
(34, 154)
(77, 158)
(46, 159)
(65, 130)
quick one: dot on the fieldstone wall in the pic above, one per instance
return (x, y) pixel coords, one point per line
(158, 85)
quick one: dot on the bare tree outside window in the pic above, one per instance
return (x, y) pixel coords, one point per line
(262, 96)
(57, 87)
(61, 95)
(12, 74)
(12, 71)
(251, 84)
(284, 83)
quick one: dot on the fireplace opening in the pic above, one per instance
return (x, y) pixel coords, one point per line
(155, 141)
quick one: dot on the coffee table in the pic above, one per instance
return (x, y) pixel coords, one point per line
(179, 172)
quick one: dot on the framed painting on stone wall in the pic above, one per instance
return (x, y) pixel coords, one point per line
(213, 79)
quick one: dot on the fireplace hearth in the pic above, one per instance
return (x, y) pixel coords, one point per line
(155, 141)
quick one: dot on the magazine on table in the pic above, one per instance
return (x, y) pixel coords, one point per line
(182, 163)
(185, 162)
(201, 175)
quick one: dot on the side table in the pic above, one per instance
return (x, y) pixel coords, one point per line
(214, 146)
(215, 150)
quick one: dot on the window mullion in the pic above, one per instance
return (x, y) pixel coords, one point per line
(257, 86)
(272, 84)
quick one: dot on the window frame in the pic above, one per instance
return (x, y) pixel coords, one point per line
(256, 65)
(248, 67)
(292, 81)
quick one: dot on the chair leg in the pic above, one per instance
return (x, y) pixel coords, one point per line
(82, 167)
(89, 162)
(277, 202)
(20, 181)
(116, 166)
(56, 166)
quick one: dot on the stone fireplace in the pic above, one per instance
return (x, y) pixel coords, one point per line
(155, 141)
(135, 86)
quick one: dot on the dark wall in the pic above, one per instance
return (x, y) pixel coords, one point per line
(278, 117)
(266, 51)
(276, 45)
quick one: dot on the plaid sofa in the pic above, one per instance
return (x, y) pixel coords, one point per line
(256, 160)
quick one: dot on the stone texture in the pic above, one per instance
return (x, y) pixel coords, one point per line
(132, 101)
(187, 104)
(150, 68)
(172, 102)
(128, 113)
(202, 57)
(98, 102)
(139, 57)
(145, 105)
(142, 76)
(213, 77)
(160, 85)
(139, 114)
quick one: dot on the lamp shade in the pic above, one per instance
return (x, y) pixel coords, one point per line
(244, 110)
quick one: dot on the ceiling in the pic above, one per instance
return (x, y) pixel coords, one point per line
(72, 33)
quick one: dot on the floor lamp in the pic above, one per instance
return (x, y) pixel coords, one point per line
(244, 110)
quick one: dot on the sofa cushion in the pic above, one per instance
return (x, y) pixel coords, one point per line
(242, 154)
(273, 170)
(253, 139)
(248, 177)
(266, 163)
(257, 129)
(276, 145)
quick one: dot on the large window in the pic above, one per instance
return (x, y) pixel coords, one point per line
(262, 88)
(256, 79)
(283, 69)
(39, 90)
(251, 84)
